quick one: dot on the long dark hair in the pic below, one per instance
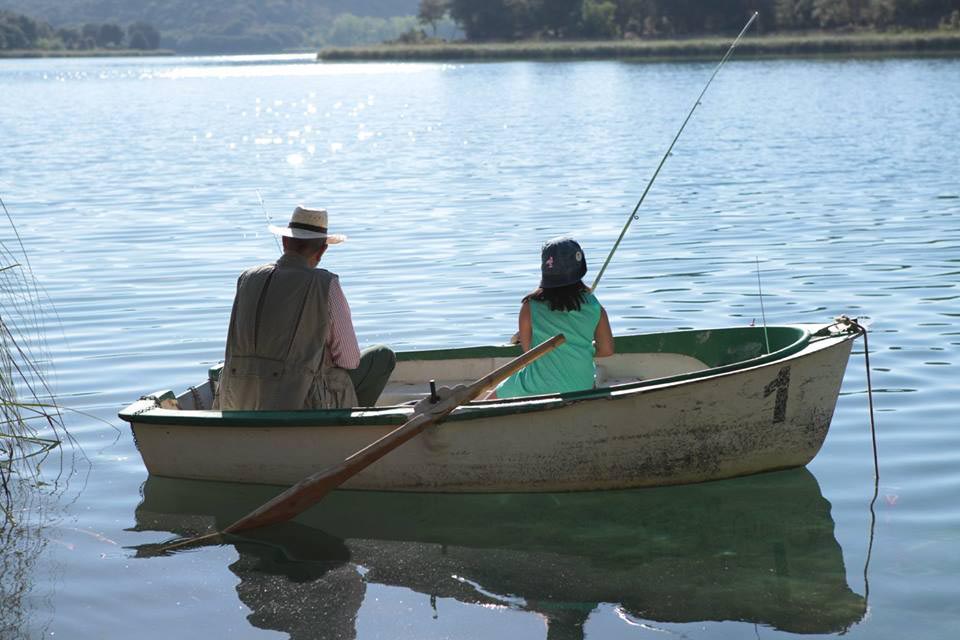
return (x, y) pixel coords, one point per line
(566, 298)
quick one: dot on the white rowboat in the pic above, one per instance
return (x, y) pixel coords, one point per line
(670, 408)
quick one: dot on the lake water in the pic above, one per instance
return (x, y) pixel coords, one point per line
(135, 185)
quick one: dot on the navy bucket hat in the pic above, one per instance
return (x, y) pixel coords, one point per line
(561, 263)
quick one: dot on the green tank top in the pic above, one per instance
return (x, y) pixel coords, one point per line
(570, 366)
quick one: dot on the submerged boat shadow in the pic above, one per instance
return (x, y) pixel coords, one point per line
(758, 549)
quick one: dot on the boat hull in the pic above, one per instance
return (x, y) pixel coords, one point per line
(771, 416)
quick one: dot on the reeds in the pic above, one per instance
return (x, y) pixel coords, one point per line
(806, 44)
(31, 423)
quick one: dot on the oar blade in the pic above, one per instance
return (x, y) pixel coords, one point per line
(291, 502)
(314, 488)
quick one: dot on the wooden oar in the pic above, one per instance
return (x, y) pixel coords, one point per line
(313, 488)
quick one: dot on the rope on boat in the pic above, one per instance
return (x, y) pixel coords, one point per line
(195, 395)
(873, 426)
(854, 324)
(876, 464)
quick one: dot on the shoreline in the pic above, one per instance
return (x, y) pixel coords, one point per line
(92, 53)
(786, 45)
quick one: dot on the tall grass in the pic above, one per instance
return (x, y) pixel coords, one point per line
(779, 45)
(31, 423)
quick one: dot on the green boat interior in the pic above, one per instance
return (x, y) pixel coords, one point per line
(640, 360)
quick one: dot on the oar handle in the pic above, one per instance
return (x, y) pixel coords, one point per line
(499, 375)
(313, 488)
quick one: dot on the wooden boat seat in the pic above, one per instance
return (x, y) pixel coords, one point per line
(410, 380)
(621, 368)
(197, 398)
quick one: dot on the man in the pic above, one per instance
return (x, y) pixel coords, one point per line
(291, 343)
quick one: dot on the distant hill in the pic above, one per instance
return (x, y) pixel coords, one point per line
(236, 25)
(180, 14)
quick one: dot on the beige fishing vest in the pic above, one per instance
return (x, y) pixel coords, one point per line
(276, 357)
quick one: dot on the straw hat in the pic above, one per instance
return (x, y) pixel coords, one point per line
(308, 224)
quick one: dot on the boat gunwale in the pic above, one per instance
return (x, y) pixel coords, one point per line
(139, 413)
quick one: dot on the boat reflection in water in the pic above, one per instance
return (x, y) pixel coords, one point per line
(759, 549)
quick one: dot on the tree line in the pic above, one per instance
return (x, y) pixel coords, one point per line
(22, 32)
(523, 19)
(235, 33)
(239, 26)
(248, 26)
(173, 15)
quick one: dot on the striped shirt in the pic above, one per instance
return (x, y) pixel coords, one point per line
(341, 338)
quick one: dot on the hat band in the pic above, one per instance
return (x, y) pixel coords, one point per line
(307, 227)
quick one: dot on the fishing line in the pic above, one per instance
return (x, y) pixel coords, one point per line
(236, 200)
(269, 222)
(633, 214)
(763, 315)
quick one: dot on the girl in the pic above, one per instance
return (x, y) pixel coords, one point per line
(562, 304)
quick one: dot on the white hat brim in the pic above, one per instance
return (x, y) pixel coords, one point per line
(303, 234)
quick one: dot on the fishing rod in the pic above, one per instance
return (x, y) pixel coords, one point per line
(763, 314)
(267, 216)
(633, 214)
